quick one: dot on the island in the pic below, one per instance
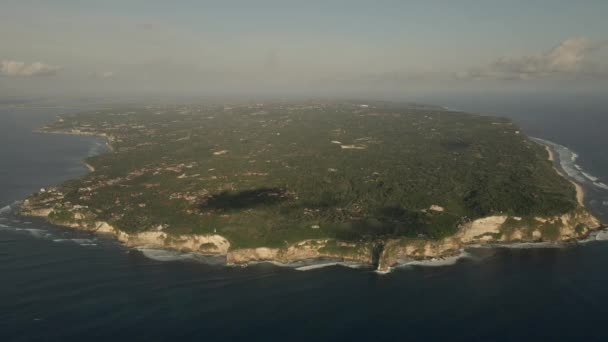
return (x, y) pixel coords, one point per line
(375, 183)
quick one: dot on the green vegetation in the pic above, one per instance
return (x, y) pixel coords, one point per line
(580, 228)
(550, 231)
(348, 250)
(61, 216)
(271, 174)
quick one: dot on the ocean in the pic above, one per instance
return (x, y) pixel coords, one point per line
(61, 284)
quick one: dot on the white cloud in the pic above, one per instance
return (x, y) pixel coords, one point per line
(15, 68)
(570, 57)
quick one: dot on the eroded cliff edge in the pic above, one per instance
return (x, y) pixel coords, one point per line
(381, 253)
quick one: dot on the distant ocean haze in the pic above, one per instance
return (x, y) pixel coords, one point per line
(61, 284)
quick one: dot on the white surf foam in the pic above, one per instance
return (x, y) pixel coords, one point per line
(37, 233)
(5, 210)
(601, 235)
(520, 245)
(9, 208)
(567, 159)
(437, 262)
(316, 266)
(589, 177)
(532, 245)
(165, 254)
(329, 264)
(81, 242)
(434, 262)
(601, 185)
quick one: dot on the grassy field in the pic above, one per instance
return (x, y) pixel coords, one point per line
(266, 174)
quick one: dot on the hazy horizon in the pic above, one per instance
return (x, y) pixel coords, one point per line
(280, 48)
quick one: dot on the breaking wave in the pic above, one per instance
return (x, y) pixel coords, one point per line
(165, 255)
(5, 210)
(9, 208)
(35, 232)
(305, 264)
(567, 162)
(316, 266)
(531, 245)
(13, 224)
(437, 262)
(590, 177)
(601, 235)
(82, 242)
(434, 262)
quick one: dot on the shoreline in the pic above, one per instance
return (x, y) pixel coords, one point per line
(396, 252)
(107, 138)
(486, 231)
(580, 192)
(89, 166)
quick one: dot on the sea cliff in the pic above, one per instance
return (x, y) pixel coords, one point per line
(382, 253)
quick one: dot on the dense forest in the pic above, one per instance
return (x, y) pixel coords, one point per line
(266, 174)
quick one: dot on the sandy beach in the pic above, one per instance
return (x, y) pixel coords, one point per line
(580, 193)
(89, 166)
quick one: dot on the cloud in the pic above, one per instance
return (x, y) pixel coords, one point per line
(102, 74)
(570, 57)
(15, 68)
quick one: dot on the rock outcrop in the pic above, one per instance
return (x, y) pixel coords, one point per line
(492, 229)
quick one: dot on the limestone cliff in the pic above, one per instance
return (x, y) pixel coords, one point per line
(493, 229)
(309, 249)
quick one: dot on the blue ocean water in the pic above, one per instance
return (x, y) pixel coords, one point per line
(58, 284)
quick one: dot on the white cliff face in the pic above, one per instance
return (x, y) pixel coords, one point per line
(42, 212)
(573, 225)
(244, 255)
(104, 227)
(570, 226)
(482, 229)
(211, 244)
(307, 249)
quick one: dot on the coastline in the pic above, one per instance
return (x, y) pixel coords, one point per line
(580, 192)
(88, 166)
(107, 138)
(394, 252)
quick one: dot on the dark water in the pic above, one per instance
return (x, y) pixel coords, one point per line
(57, 284)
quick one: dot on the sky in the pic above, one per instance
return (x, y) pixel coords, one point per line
(301, 47)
